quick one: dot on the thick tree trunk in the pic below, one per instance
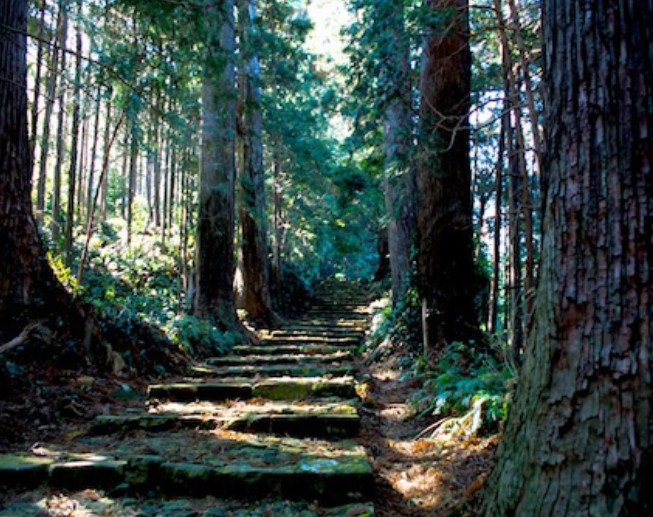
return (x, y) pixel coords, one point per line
(578, 440)
(399, 175)
(28, 288)
(445, 247)
(256, 292)
(214, 298)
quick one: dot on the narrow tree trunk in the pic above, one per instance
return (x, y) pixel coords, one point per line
(578, 439)
(256, 293)
(278, 246)
(383, 250)
(96, 138)
(58, 166)
(37, 84)
(131, 190)
(493, 316)
(51, 88)
(445, 259)
(70, 213)
(108, 140)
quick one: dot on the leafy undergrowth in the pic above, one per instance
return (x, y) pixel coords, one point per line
(431, 431)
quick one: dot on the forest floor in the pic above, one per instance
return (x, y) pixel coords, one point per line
(417, 477)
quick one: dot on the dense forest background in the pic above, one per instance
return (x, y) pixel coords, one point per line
(115, 139)
(195, 168)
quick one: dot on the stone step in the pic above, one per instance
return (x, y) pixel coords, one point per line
(197, 463)
(314, 330)
(281, 388)
(38, 503)
(319, 420)
(275, 370)
(309, 341)
(243, 360)
(270, 349)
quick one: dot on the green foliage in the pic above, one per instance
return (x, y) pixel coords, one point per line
(198, 337)
(464, 376)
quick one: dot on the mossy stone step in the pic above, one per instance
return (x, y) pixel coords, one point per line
(309, 340)
(270, 349)
(275, 370)
(243, 360)
(196, 464)
(282, 388)
(38, 503)
(312, 331)
(315, 423)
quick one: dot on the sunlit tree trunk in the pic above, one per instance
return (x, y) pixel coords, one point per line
(445, 247)
(399, 174)
(578, 439)
(51, 89)
(214, 298)
(74, 145)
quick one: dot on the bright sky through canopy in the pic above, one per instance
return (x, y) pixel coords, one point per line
(329, 16)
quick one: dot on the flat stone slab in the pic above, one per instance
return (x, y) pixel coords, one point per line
(276, 340)
(224, 464)
(41, 502)
(188, 391)
(309, 349)
(275, 370)
(253, 359)
(317, 419)
(281, 388)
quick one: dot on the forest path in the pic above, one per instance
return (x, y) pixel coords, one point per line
(272, 422)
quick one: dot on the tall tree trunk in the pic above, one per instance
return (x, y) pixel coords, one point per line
(37, 83)
(108, 139)
(256, 290)
(131, 189)
(214, 298)
(74, 146)
(578, 440)
(493, 316)
(94, 146)
(277, 251)
(51, 89)
(28, 288)
(399, 175)
(445, 247)
(58, 166)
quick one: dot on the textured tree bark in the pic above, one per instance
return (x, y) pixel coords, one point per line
(214, 299)
(445, 247)
(399, 175)
(256, 293)
(28, 289)
(578, 440)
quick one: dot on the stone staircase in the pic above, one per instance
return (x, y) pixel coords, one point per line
(273, 420)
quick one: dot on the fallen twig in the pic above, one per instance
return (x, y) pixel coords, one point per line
(20, 338)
